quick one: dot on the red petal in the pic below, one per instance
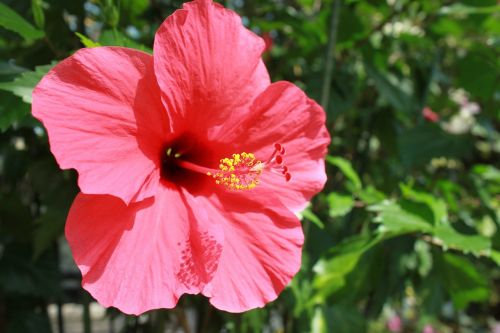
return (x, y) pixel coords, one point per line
(146, 255)
(262, 250)
(104, 117)
(208, 66)
(283, 114)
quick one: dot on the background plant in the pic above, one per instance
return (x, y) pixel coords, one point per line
(406, 234)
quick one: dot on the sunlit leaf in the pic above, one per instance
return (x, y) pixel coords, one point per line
(340, 204)
(437, 205)
(24, 84)
(397, 219)
(87, 42)
(346, 168)
(309, 215)
(38, 14)
(488, 173)
(319, 323)
(331, 272)
(370, 195)
(450, 238)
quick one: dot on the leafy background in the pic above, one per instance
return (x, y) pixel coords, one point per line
(405, 236)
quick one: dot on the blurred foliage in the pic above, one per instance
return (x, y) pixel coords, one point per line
(408, 225)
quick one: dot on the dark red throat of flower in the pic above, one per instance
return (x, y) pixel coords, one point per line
(240, 171)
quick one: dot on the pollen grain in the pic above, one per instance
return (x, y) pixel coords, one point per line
(239, 172)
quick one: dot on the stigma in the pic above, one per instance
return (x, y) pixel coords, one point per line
(242, 171)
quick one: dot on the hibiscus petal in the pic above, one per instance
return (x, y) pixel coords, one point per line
(208, 66)
(144, 256)
(261, 253)
(284, 114)
(104, 117)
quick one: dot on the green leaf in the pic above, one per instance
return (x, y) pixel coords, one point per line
(450, 238)
(424, 256)
(437, 206)
(116, 38)
(9, 70)
(318, 322)
(87, 42)
(462, 281)
(346, 168)
(495, 255)
(56, 189)
(407, 217)
(477, 73)
(487, 173)
(50, 228)
(309, 215)
(253, 320)
(485, 193)
(12, 110)
(370, 195)
(301, 287)
(38, 14)
(11, 20)
(134, 8)
(337, 319)
(420, 144)
(395, 96)
(346, 319)
(401, 219)
(331, 273)
(340, 204)
(450, 191)
(459, 9)
(24, 84)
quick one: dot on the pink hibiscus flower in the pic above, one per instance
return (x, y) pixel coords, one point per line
(186, 184)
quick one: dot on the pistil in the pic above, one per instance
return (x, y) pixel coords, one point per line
(240, 171)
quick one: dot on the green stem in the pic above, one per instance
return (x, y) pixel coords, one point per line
(330, 59)
(87, 322)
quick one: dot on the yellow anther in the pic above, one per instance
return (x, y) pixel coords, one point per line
(240, 172)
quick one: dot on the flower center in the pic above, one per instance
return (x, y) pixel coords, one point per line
(240, 171)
